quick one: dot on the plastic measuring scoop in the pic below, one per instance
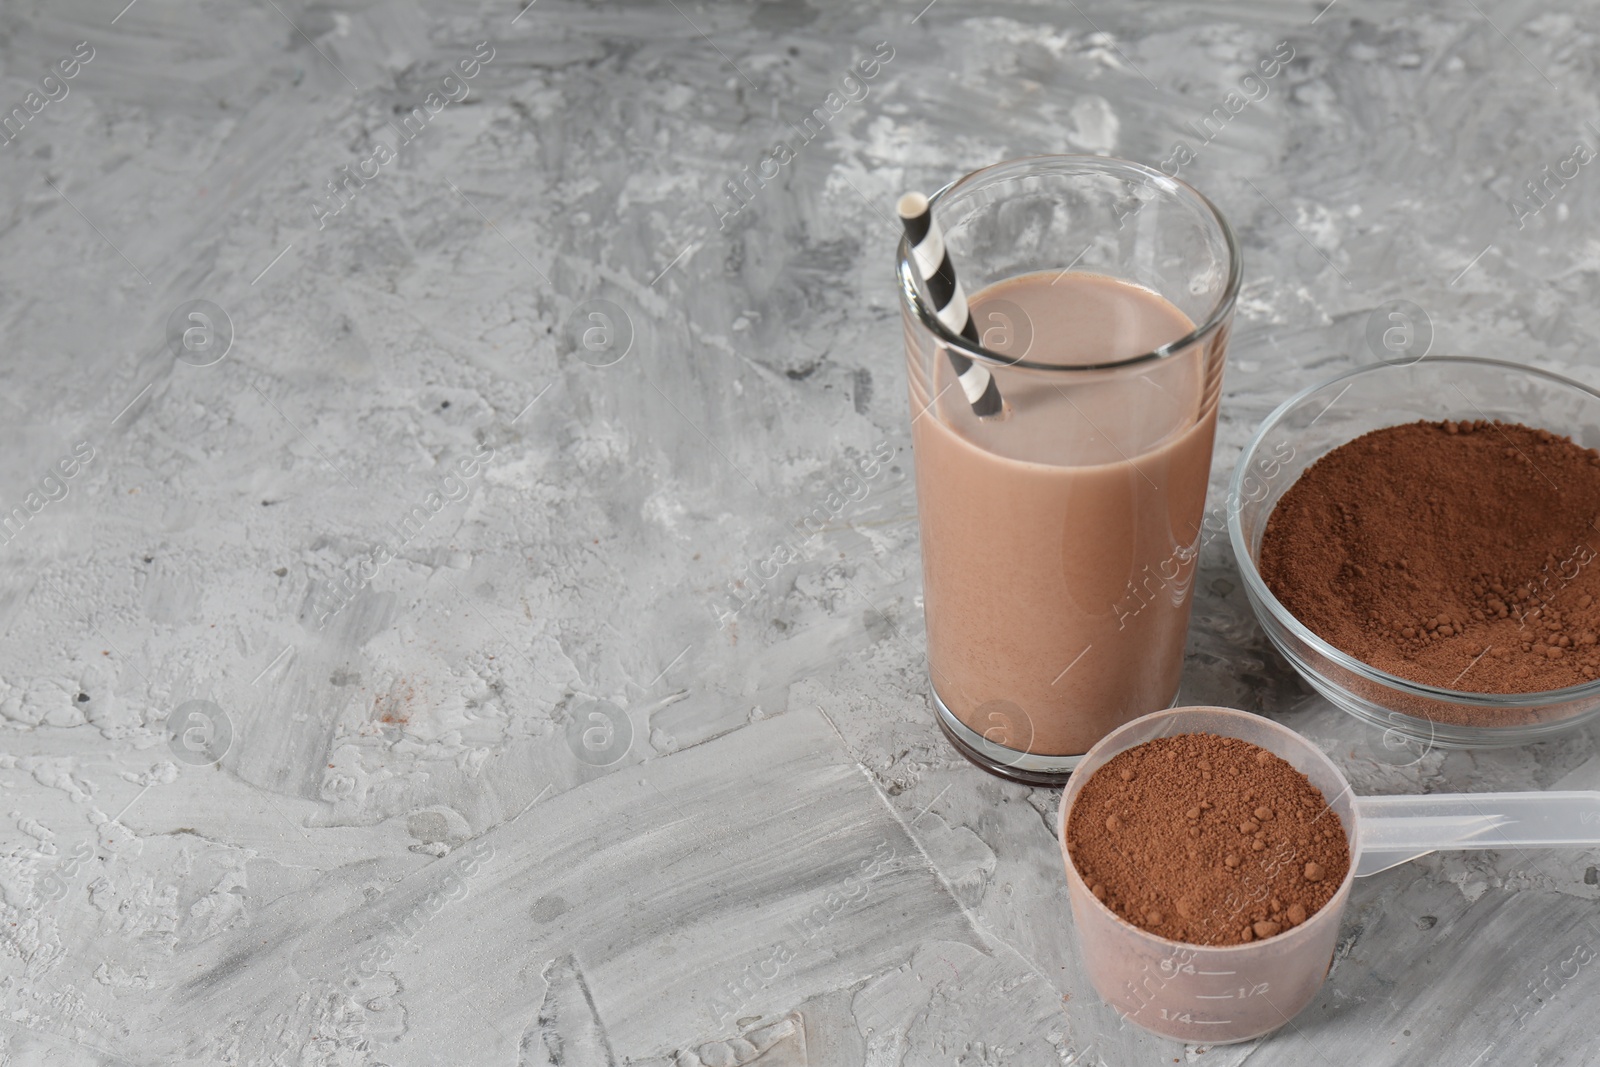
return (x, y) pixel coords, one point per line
(1231, 993)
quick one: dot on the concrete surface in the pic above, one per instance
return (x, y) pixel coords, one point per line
(389, 682)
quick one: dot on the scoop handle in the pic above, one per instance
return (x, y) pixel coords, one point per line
(1395, 829)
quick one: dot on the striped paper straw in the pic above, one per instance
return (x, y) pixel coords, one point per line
(932, 260)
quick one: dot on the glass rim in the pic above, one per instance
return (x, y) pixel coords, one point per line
(1223, 307)
(1257, 585)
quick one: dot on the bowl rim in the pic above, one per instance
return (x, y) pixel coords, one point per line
(911, 286)
(1265, 602)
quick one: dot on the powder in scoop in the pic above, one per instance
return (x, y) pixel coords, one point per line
(1451, 554)
(1208, 840)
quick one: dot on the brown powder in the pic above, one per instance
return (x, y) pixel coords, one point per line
(1206, 839)
(1451, 554)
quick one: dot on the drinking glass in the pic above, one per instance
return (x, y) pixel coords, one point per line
(1059, 538)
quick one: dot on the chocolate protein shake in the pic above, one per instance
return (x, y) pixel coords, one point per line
(1058, 541)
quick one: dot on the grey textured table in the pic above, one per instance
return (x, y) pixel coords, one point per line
(379, 687)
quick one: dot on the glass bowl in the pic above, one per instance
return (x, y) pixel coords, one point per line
(1317, 420)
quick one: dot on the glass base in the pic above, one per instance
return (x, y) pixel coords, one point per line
(1013, 764)
(1010, 763)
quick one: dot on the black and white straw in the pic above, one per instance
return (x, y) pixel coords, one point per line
(932, 261)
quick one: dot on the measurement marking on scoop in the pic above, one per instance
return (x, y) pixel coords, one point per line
(1216, 972)
(1210, 1022)
(1244, 993)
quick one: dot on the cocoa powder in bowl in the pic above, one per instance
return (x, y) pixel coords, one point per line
(1206, 839)
(1451, 554)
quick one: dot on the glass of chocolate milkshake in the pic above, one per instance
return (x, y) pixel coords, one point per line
(1059, 536)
